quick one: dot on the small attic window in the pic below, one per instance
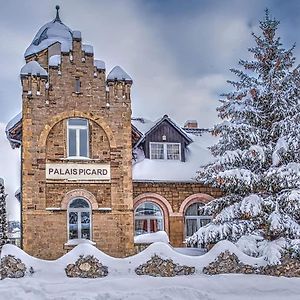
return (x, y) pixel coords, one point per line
(77, 85)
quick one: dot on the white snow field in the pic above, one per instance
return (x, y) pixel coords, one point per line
(50, 282)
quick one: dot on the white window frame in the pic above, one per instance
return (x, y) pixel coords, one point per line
(77, 128)
(165, 150)
(198, 220)
(79, 211)
(148, 218)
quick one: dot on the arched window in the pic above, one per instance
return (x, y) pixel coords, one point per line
(194, 220)
(79, 219)
(148, 217)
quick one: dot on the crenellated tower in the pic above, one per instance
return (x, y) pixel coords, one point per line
(76, 151)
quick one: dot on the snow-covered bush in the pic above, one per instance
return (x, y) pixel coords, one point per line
(257, 161)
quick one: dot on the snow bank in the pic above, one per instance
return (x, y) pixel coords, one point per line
(126, 266)
(148, 238)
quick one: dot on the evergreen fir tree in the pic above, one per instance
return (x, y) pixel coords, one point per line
(3, 221)
(257, 158)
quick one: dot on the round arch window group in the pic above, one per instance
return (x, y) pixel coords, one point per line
(149, 217)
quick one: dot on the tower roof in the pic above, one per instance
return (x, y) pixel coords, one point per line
(118, 74)
(52, 32)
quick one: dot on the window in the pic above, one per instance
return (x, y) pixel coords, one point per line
(170, 151)
(79, 219)
(148, 217)
(77, 85)
(193, 219)
(78, 138)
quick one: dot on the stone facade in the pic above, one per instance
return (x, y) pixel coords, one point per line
(86, 267)
(47, 104)
(158, 267)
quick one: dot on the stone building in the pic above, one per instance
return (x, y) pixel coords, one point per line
(91, 172)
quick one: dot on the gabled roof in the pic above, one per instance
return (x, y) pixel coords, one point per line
(156, 124)
(13, 131)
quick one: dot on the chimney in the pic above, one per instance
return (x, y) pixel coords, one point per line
(191, 124)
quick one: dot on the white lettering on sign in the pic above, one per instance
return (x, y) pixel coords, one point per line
(78, 171)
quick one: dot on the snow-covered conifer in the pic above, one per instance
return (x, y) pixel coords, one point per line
(257, 158)
(3, 221)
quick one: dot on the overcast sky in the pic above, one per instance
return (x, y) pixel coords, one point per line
(177, 52)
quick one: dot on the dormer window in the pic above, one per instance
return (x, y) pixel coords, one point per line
(78, 138)
(168, 151)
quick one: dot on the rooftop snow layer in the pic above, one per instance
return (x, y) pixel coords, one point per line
(117, 73)
(197, 155)
(13, 122)
(54, 60)
(76, 34)
(99, 64)
(142, 125)
(52, 32)
(33, 68)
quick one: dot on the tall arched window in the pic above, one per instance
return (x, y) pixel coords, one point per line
(148, 217)
(79, 219)
(194, 220)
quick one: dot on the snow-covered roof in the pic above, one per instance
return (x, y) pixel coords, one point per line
(197, 154)
(99, 64)
(142, 125)
(77, 34)
(117, 73)
(13, 122)
(55, 60)
(49, 34)
(146, 127)
(33, 68)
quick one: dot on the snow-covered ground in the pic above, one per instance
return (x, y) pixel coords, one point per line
(50, 282)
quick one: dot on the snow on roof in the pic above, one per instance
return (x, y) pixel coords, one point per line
(197, 154)
(52, 32)
(33, 68)
(117, 73)
(13, 122)
(142, 125)
(55, 60)
(148, 238)
(76, 34)
(88, 49)
(99, 64)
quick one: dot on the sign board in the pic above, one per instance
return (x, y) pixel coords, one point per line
(78, 171)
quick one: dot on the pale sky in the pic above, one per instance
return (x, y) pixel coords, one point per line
(178, 53)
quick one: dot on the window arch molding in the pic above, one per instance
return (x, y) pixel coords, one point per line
(195, 198)
(159, 200)
(79, 193)
(76, 114)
